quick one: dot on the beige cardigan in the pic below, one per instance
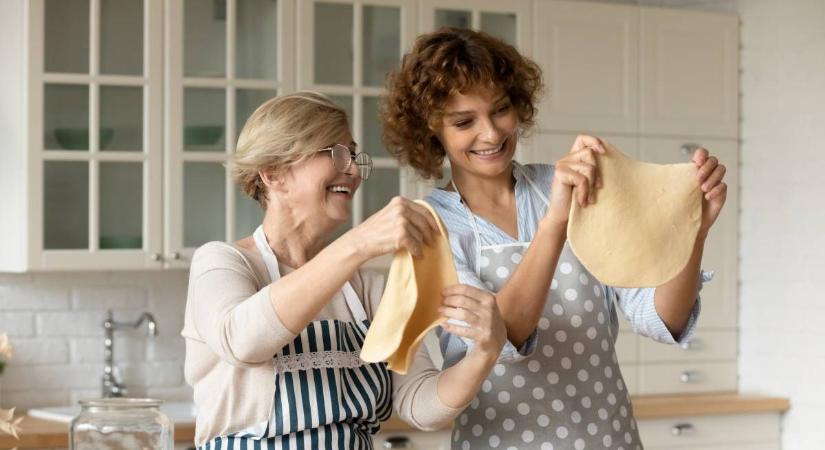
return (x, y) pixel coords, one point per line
(232, 332)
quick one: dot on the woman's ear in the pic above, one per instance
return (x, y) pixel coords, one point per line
(272, 180)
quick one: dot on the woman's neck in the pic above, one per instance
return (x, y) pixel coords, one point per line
(293, 239)
(481, 193)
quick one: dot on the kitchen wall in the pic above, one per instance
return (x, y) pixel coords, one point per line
(782, 246)
(54, 322)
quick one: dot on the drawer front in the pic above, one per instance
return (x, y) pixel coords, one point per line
(630, 373)
(693, 431)
(413, 440)
(706, 345)
(750, 446)
(675, 378)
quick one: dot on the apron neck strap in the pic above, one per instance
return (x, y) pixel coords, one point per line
(271, 262)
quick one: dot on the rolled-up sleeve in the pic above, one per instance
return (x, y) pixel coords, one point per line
(231, 314)
(639, 309)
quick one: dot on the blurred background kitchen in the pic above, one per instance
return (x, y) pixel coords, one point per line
(118, 116)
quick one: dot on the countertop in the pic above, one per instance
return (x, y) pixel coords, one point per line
(38, 433)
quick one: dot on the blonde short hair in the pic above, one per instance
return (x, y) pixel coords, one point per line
(283, 131)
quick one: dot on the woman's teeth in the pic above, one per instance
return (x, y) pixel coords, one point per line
(490, 151)
(339, 189)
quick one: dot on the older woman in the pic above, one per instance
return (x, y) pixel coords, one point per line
(274, 322)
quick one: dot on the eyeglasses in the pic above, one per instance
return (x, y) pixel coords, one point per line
(343, 157)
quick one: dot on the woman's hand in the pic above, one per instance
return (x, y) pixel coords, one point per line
(479, 310)
(401, 224)
(715, 190)
(578, 169)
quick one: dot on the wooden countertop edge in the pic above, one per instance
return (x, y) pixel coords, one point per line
(37, 433)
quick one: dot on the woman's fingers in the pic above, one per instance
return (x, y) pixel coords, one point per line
(714, 178)
(584, 141)
(700, 156)
(720, 191)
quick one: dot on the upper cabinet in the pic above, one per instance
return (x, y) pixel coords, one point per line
(223, 60)
(509, 21)
(628, 69)
(122, 116)
(689, 73)
(590, 56)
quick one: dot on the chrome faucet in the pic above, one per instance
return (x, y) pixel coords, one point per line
(112, 385)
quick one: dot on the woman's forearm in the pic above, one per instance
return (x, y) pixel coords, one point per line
(521, 300)
(459, 384)
(675, 299)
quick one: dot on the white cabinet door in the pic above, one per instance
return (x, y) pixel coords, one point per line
(589, 54)
(92, 113)
(742, 431)
(719, 297)
(706, 345)
(224, 59)
(687, 377)
(689, 73)
(509, 21)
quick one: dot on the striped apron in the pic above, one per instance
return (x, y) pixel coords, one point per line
(325, 395)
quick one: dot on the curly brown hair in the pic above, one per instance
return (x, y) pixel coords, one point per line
(448, 61)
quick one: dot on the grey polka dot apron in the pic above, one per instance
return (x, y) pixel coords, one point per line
(570, 393)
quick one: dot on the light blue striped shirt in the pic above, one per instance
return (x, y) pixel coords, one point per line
(636, 303)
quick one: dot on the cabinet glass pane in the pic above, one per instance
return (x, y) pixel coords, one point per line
(346, 103)
(65, 205)
(204, 38)
(246, 102)
(204, 204)
(382, 43)
(248, 215)
(66, 40)
(333, 43)
(500, 25)
(256, 49)
(121, 205)
(204, 118)
(66, 117)
(382, 186)
(121, 118)
(121, 37)
(453, 18)
(372, 129)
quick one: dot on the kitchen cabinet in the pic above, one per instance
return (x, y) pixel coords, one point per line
(590, 56)
(626, 69)
(122, 116)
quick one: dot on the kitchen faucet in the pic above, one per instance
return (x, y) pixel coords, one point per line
(112, 386)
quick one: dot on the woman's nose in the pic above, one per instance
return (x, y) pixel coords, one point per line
(490, 132)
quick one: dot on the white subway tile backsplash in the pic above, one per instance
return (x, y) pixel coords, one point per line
(54, 321)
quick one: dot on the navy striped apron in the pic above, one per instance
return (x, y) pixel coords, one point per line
(325, 395)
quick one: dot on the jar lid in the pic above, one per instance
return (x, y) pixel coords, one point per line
(121, 402)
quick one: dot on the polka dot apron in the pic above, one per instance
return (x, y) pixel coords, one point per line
(570, 393)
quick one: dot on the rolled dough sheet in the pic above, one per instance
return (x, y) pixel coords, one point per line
(409, 306)
(642, 228)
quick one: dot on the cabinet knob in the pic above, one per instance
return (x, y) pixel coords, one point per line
(688, 148)
(156, 257)
(694, 344)
(689, 376)
(397, 442)
(681, 428)
(174, 256)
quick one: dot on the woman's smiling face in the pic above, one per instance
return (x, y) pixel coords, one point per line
(479, 131)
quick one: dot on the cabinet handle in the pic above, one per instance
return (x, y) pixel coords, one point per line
(174, 256)
(397, 442)
(691, 345)
(156, 257)
(681, 428)
(688, 148)
(689, 376)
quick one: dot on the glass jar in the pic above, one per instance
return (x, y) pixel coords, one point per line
(121, 424)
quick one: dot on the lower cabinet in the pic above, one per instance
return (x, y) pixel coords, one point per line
(730, 432)
(758, 431)
(416, 440)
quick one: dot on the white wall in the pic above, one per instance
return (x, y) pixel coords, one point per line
(54, 322)
(782, 225)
